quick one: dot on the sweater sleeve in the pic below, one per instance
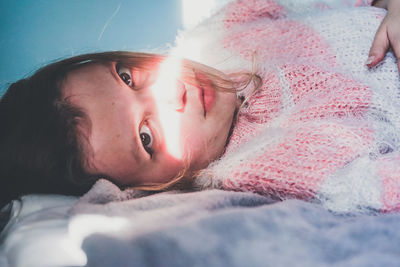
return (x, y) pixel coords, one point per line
(328, 162)
(369, 183)
(294, 162)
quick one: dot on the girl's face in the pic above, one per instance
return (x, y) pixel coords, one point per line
(151, 134)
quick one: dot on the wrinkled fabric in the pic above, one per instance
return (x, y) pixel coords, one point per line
(207, 228)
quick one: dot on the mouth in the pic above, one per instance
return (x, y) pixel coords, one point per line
(206, 93)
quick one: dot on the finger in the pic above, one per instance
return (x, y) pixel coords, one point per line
(379, 46)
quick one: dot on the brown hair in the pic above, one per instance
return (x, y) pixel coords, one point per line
(43, 148)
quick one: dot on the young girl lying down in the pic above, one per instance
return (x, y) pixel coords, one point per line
(282, 103)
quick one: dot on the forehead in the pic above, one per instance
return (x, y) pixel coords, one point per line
(92, 76)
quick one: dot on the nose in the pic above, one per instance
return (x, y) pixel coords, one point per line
(172, 96)
(169, 92)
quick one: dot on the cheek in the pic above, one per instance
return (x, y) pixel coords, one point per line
(203, 140)
(216, 145)
(202, 145)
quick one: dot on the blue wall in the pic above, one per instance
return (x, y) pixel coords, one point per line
(36, 32)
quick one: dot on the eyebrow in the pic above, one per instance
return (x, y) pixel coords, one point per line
(134, 146)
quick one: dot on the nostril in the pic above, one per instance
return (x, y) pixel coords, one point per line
(182, 105)
(180, 98)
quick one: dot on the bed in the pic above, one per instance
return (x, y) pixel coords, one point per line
(110, 227)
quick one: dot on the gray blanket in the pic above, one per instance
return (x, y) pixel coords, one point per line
(109, 227)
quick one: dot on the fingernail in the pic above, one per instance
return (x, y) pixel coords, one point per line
(369, 60)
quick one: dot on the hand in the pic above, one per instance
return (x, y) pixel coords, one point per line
(388, 33)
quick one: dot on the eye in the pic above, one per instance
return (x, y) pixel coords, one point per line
(147, 139)
(125, 74)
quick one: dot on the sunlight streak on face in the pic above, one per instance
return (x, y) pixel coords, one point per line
(165, 94)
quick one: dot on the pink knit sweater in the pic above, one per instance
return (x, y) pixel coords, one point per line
(323, 127)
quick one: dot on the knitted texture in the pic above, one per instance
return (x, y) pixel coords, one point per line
(323, 127)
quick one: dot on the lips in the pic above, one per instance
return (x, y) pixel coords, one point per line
(206, 92)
